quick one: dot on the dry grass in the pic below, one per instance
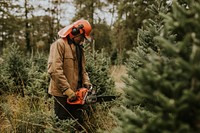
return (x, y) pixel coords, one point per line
(15, 108)
(101, 118)
(5, 125)
(117, 72)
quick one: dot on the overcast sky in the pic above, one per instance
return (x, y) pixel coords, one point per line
(67, 8)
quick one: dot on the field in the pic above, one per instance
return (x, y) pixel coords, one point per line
(20, 113)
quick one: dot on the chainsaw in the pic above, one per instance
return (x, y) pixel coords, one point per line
(88, 96)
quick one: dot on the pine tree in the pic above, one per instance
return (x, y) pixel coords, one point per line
(98, 69)
(21, 75)
(131, 14)
(14, 74)
(164, 97)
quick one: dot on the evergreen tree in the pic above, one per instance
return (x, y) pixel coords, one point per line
(14, 74)
(131, 14)
(145, 39)
(21, 75)
(164, 97)
(98, 69)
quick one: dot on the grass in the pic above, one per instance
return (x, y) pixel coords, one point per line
(25, 114)
(117, 72)
(35, 114)
(20, 113)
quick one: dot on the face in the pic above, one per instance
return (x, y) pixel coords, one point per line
(79, 39)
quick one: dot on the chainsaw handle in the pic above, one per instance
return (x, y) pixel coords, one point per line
(81, 95)
(77, 101)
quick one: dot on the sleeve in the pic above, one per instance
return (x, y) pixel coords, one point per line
(55, 65)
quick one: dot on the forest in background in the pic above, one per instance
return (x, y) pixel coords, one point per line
(35, 28)
(157, 41)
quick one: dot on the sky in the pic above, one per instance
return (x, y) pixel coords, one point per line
(66, 16)
(67, 8)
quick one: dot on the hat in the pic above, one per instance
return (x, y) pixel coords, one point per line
(86, 29)
(65, 31)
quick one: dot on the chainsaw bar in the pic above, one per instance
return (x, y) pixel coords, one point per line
(105, 98)
(87, 96)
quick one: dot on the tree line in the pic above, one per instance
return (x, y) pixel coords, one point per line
(22, 26)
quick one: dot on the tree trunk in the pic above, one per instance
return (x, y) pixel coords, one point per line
(27, 32)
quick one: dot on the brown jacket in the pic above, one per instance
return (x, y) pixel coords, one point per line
(63, 67)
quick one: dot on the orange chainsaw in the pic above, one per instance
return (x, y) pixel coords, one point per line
(88, 96)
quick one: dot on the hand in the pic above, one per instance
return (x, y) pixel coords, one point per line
(73, 98)
(88, 85)
(71, 95)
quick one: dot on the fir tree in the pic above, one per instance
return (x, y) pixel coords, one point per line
(98, 69)
(164, 97)
(14, 74)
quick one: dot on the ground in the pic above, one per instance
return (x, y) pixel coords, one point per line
(117, 72)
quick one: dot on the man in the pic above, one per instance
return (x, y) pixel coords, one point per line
(66, 66)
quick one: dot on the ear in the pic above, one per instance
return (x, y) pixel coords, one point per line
(76, 30)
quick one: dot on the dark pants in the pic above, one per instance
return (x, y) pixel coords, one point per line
(69, 111)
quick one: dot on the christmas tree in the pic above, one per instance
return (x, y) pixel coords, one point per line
(163, 88)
